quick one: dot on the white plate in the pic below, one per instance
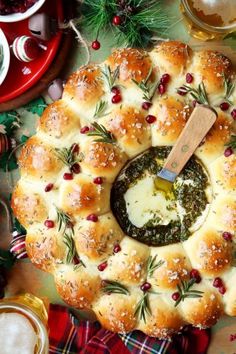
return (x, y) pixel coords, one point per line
(6, 57)
(22, 16)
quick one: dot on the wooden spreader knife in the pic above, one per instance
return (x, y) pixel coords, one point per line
(198, 125)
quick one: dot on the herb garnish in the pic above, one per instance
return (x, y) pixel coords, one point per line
(143, 308)
(71, 253)
(152, 265)
(67, 156)
(198, 94)
(185, 291)
(114, 287)
(232, 142)
(229, 88)
(99, 110)
(148, 88)
(103, 133)
(110, 76)
(64, 221)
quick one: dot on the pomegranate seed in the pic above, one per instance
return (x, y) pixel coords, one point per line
(75, 148)
(115, 90)
(146, 105)
(217, 283)
(229, 151)
(98, 180)
(116, 248)
(84, 130)
(102, 266)
(92, 217)
(145, 286)
(75, 168)
(49, 187)
(150, 119)
(175, 296)
(68, 176)
(116, 99)
(195, 102)
(49, 224)
(76, 260)
(96, 45)
(165, 79)
(222, 290)
(224, 106)
(116, 20)
(189, 78)
(233, 113)
(161, 89)
(227, 236)
(182, 91)
(194, 274)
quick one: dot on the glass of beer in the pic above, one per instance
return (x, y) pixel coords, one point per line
(209, 19)
(23, 325)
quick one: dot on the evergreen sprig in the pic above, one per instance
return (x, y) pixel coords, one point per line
(114, 287)
(152, 265)
(185, 291)
(229, 86)
(147, 87)
(104, 135)
(143, 308)
(140, 19)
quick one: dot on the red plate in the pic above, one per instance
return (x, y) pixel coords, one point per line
(22, 76)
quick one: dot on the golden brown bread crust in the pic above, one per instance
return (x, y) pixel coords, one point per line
(98, 250)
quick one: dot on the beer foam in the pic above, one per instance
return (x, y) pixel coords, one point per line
(17, 335)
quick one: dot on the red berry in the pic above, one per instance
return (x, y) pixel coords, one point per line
(49, 224)
(96, 45)
(84, 129)
(146, 105)
(92, 217)
(182, 91)
(194, 103)
(145, 286)
(165, 79)
(222, 290)
(224, 106)
(189, 78)
(233, 113)
(116, 20)
(229, 151)
(102, 266)
(175, 296)
(116, 99)
(48, 187)
(75, 148)
(115, 90)
(217, 283)
(75, 168)
(194, 274)
(76, 260)
(98, 180)
(227, 236)
(150, 119)
(161, 89)
(117, 248)
(68, 176)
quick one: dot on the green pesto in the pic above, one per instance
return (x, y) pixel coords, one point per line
(191, 197)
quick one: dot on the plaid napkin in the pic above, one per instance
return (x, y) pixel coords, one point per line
(68, 335)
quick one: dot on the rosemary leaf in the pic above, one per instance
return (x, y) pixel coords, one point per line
(99, 110)
(114, 287)
(67, 156)
(64, 221)
(232, 142)
(71, 250)
(185, 291)
(143, 308)
(148, 88)
(229, 89)
(152, 265)
(110, 76)
(198, 94)
(104, 135)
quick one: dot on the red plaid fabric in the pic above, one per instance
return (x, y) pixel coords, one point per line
(68, 335)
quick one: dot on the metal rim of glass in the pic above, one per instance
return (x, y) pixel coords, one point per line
(42, 331)
(202, 24)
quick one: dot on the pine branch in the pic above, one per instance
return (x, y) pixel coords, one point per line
(99, 110)
(110, 76)
(232, 142)
(114, 287)
(103, 133)
(198, 94)
(143, 308)
(64, 221)
(152, 265)
(229, 89)
(148, 88)
(185, 291)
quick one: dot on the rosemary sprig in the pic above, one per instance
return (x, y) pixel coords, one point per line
(143, 308)
(99, 110)
(185, 291)
(64, 221)
(232, 142)
(71, 250)
(104, 135)
(1, 58)
(110, 76)
(198, 94)
(114, 287)
(229, 89)
(148, 88)
(152, 265)
(67, 156)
